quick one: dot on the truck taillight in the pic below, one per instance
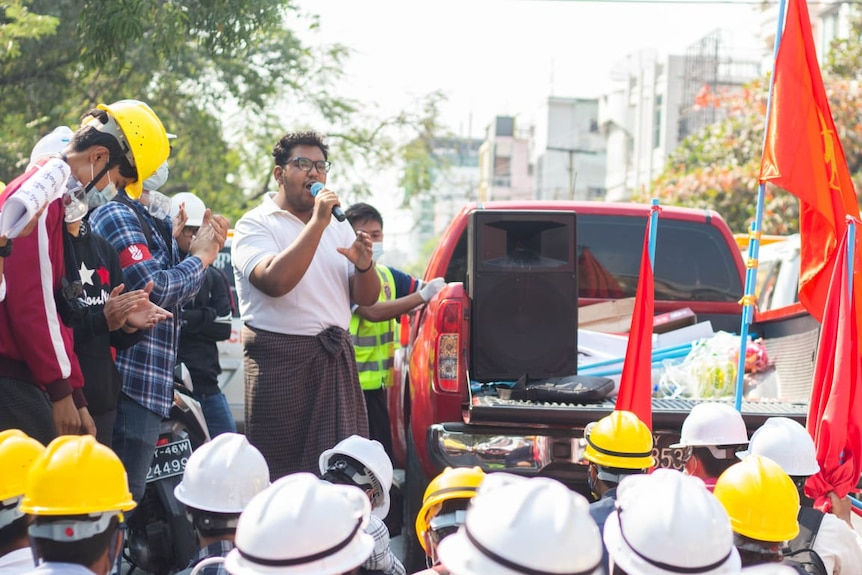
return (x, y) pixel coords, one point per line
(448, 345)
(404, 330)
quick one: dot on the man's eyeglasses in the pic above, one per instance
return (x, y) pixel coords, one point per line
(306, 164)
(190, 231)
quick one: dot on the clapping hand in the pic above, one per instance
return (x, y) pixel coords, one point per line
(210, 238)
(133, 310)
(120, 305)
(179, 221)
(147, 314)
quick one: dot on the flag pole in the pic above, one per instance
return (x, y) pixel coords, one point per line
(748, 299)
(635, 387)
(653, 221)
(851, 252)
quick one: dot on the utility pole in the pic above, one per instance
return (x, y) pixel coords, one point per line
(573, 175)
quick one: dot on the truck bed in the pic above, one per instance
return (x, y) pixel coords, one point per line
(491, 410)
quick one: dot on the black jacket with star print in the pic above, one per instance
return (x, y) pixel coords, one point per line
(100, 272)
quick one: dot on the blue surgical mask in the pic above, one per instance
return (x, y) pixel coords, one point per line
(97, 197)
(159, 205)
(376, 250)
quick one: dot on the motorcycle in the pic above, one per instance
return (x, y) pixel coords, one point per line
(160, 537)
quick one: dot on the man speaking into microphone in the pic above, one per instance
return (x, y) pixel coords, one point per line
(298, 267)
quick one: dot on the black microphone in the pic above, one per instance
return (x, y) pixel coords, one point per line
(336, 210)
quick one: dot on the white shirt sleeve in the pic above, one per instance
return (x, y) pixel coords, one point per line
(2, 287)
(839, 546)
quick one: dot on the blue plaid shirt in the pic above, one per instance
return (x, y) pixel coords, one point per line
(218, 549)
(148, 367)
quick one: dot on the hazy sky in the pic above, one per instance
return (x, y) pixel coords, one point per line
(504, 57)
(493, 57)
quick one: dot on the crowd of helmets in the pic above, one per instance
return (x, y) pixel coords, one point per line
(737, 508)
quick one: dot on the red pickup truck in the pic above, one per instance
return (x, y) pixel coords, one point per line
(517, 274)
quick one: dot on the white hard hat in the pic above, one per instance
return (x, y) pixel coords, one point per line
(51, 144)
(787, 443)
(371, 454)
(223, 475)
(668, 523)
(158, 179)
(302, 525)
(516, 525)
(713, 424)
(195, 208)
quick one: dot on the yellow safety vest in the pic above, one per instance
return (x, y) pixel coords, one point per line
(374, 341)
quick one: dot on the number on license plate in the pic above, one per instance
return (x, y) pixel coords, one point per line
(169, 460)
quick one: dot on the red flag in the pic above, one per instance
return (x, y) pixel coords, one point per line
(635, 392)
(835, 409)
(803, 155)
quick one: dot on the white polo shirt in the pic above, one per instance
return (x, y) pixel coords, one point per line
(321, 299)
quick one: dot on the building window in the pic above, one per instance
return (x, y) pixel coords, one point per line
(829, 29)
(502, 164)
(657, 122)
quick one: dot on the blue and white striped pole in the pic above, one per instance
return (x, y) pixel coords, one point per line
(748, 299)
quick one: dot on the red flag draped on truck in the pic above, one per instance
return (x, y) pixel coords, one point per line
(635, 392)
(803, 155)
(835, 409)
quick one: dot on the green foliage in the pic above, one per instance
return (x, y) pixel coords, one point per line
(229, 77)
(417, 267)
(718, 167)
(20, 23)
(844, 59)
(421, 164)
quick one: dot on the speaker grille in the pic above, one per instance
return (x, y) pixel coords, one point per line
(524, 324)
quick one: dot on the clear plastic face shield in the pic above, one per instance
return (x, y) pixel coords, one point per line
(75, 204)
(158, 204)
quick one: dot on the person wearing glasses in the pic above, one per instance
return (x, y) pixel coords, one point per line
(297, 270)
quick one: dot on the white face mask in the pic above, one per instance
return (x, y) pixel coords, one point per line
(376, 250)
(157, 180)
(75, 204)
(158, 204)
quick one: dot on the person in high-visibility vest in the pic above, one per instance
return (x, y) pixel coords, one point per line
(374, 329)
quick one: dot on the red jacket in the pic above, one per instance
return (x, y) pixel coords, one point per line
(35, 344)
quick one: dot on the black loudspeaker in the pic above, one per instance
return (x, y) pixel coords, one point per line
(523, 282)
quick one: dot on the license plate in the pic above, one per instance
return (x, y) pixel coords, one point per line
(169, 460)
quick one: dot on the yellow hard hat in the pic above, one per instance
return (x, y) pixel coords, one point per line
(143, 136)
(17, 453)
(760, 499)
(452, 483)
(619, 440)
(76, 475)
